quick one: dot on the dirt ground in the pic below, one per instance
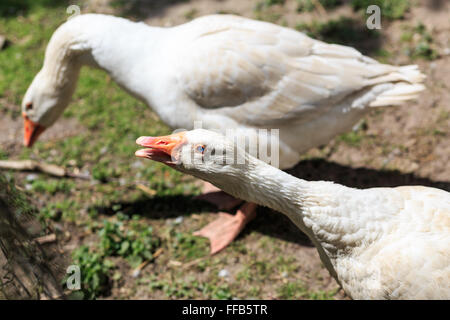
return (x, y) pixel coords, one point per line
(393, 146)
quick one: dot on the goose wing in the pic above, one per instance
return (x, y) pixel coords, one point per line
(260, 73)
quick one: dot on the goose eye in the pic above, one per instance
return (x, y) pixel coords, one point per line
(29, 106)
(200, 148)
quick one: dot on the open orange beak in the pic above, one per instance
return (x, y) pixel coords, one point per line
(161, 149)
(32, 131)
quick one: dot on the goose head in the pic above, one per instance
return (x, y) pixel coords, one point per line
(42, 105)
(205, 154)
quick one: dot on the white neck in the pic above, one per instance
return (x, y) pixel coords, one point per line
(122, 48)
(317, 208)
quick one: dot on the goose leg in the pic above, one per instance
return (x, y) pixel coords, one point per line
(222, 231)
(215, 196)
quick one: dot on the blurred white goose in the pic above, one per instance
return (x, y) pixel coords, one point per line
(378, 243)
(226, 72)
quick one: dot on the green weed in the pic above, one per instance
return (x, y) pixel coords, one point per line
(309, 5)
(392, 9)
(136, 243)
(420, 43)
(95, 271)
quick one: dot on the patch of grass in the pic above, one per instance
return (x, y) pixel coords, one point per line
(15, 7)
(297, 290)
(264, 12)
(437, 132)
(52, 186)
(268, 3)
(258, 270)
(135, 243)
(382, 55)
(268, 16)
(189, 288)
(443, 116)
(351, 138)
(95, 272)
(354, 137)
(292, 290)
(191, 14)
(102, 172)
(66, 209)
(217, 292)
(187, 247)
(309, 5)
(177, 289)
(25, 53)
(392, 9)
(420, 43)
(3, 155)
(131, 240)
(322, 295)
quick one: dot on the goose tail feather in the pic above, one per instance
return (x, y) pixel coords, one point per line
(407, 84)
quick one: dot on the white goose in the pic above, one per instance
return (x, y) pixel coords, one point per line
(226, 71)
(378, 243)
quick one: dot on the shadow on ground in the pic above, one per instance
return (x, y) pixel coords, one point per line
(345, 31)
(269, 222)
(320, 169)
(436, 5)
(143, 9)
(159, 207)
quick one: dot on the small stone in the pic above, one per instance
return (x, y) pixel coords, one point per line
(136, 273)
(70, 247)
(31, 177)
(414, 166)
(122, 181)
(224, 273)
(103, 150)
(137, 164)
(396, 152)
(28, 187)
(178, 220)
(58, 227)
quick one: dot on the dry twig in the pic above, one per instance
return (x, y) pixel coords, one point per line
(32, 165)
(46, 239)
(146, 189)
